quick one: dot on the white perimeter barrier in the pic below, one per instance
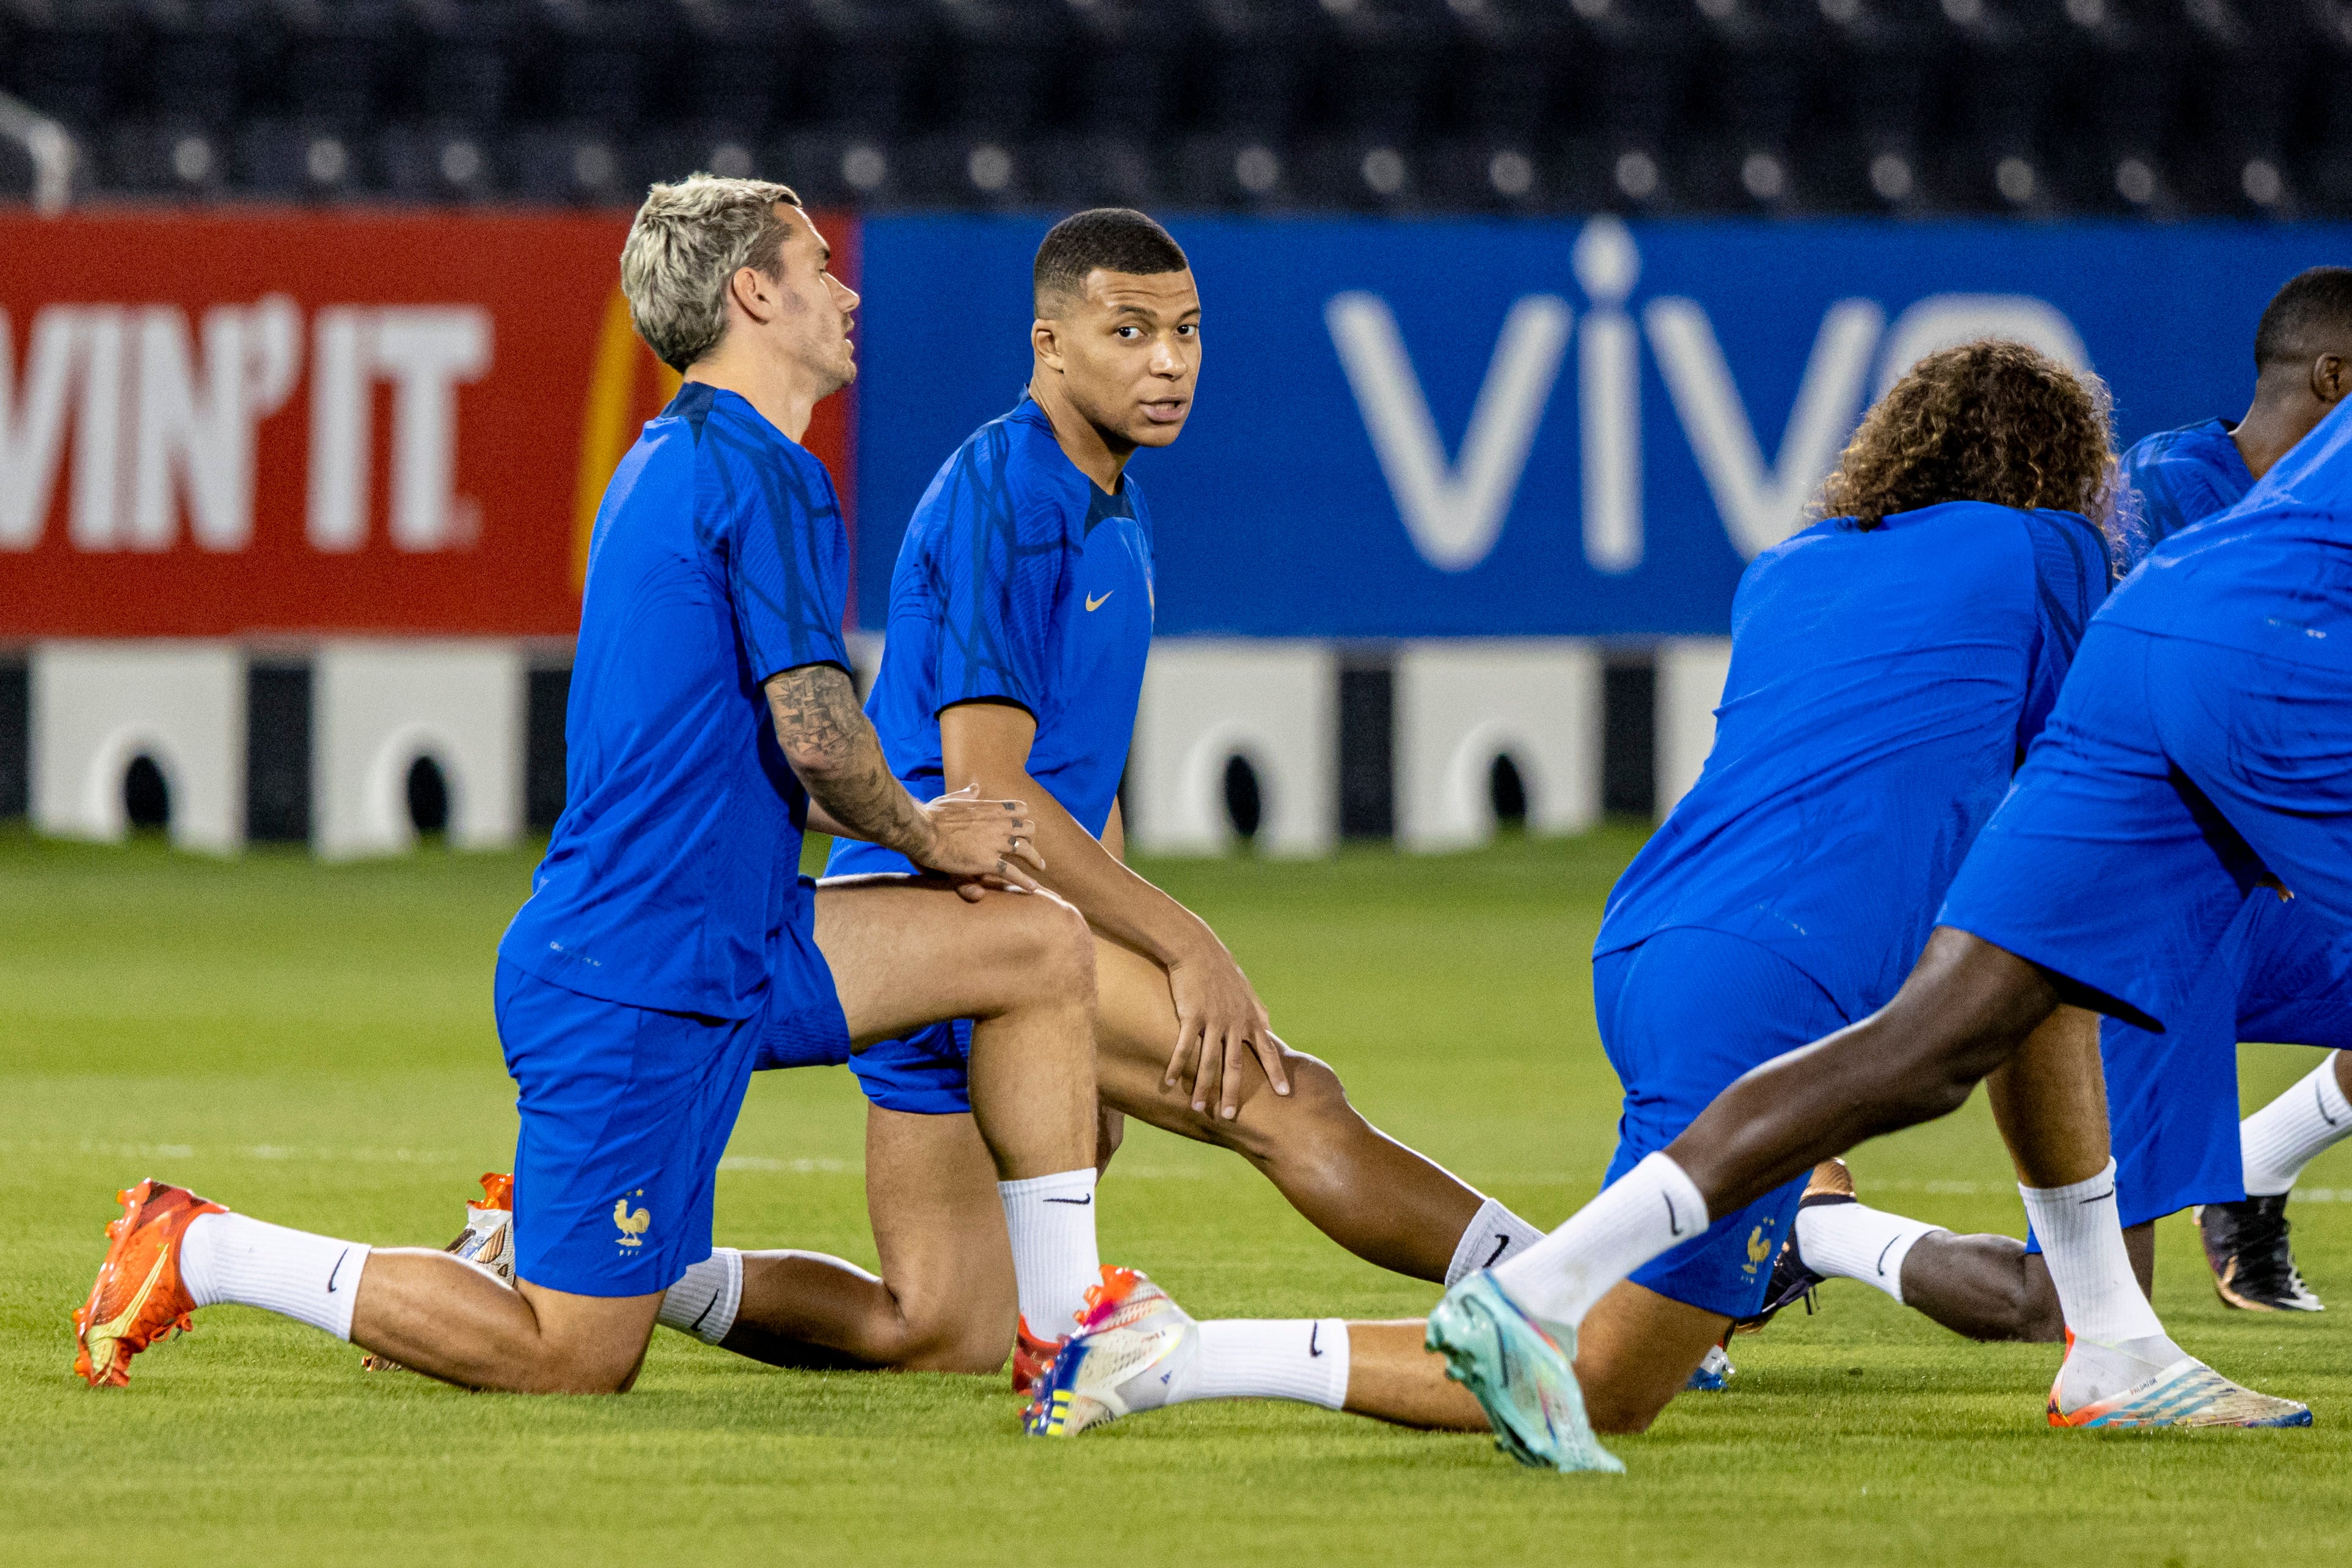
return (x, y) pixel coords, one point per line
(1460, 704)
(98, 706)
(1208, 700)
(1691, 672)
(379, 705)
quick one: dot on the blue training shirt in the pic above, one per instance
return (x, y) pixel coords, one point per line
(1023, 581)
(2183, 477)
(718, 560)
(1883, 684)
(2272, 574)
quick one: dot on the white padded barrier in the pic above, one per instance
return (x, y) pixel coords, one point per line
(379, 705)
(1207, 700)
(1460, 704)
(98, 706)
(1691, 672)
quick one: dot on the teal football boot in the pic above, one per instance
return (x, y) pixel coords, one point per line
(1520, 1372)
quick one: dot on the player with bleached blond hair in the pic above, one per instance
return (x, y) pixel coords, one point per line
(669, 945)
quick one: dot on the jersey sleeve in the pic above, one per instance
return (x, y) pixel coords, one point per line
(2069, 582)
(788, 564)
(997, 563)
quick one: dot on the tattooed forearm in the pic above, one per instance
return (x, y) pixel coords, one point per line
(826, 739)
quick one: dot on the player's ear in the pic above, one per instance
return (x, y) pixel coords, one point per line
(750, 289)
(1044, 337)
(2331, 377)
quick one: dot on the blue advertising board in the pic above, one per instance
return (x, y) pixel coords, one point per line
(1577, 428)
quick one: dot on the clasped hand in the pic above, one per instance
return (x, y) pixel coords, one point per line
(982, 845)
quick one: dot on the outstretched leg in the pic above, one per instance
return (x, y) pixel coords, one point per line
(1380, 1200)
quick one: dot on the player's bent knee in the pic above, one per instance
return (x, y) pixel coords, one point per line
(1621, 1412)
(960, 1346)
(1055, 953)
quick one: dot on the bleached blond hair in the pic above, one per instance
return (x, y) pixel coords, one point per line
(688, 240)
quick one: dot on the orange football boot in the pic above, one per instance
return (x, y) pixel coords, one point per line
(138, 1296)
(1032, 1356)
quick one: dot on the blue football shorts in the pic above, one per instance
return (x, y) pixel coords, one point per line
(1683, 1014)
(928, 1073)
(627, 1110)
(2173, 778)
(2282, 973)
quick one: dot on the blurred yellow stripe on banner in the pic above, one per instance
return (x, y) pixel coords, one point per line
(609, 422)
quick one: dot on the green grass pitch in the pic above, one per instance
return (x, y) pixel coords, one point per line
(314, 1045)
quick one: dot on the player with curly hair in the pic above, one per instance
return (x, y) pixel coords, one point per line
(1890, 665)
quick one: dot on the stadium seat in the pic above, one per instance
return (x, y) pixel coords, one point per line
(2125, 107)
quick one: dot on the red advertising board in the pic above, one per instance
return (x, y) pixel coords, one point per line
(265, 423)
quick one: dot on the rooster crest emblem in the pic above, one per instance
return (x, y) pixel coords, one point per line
(633, 1225)
(1759, 1250)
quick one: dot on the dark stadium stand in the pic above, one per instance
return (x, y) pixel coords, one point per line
(2038, 107)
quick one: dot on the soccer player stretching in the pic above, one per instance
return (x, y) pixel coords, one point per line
(669, 945)
(1889, 666)
(1021, 614)
(2199, 754)
(2282, 973)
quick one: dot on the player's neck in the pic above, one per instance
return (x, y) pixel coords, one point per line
(2273, 425)
(1082, 441)
(784, 395)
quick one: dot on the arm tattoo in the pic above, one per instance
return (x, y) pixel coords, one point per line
(827, 741)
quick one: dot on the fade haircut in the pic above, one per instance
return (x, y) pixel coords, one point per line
(1116, 239)
(688, 242)
(2311, 316)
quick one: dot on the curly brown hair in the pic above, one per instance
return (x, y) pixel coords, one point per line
(1988, 421)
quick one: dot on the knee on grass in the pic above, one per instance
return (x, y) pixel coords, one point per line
(955, 1344)
(564, 1368)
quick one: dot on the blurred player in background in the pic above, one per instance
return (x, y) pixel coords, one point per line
(1021, 616)
(1888, 666)
(2282, 973)
(669, 945)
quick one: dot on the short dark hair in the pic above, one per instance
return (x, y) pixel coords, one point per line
(1117, 239)
(2306, 318)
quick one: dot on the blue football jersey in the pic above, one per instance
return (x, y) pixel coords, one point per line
(1883, 684)
(2272, 574)
(1019, 581)
(2177, 479)
(718, 560)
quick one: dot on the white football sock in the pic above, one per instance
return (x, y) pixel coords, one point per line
(2286, 1134)
(2118, 1340)
(312, 1279)
(1651, 1208)
(1851, 1242)
(1494, 1234)
(1051, 1220)
(705, 1301)
(1304, 1359)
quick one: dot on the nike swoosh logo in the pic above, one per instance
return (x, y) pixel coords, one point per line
(1674, 1220)
(1312, 1335)
(1094, 604)
(1076, 1202)
(337, 1269)
(2096, 1198)
(1495, 1256)
(1881, 1256)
